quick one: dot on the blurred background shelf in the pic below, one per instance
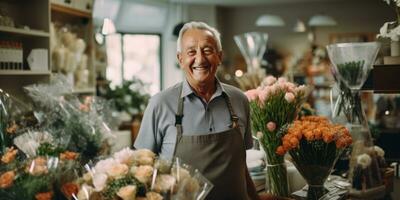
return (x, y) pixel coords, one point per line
(70, 11)
(20, 31)
(23, 72)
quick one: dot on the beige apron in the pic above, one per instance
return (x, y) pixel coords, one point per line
(219, 156)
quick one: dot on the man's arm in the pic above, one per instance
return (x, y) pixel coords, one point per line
(147, 137)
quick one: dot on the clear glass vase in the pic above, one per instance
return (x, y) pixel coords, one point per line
(252, 45)
(351, 64)
(277, 180)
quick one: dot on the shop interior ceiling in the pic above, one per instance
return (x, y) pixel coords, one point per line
(151, 15)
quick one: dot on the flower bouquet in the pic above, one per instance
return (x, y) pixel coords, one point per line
(274, 105)
(137, 174)
(36, 177)
(66, 116)
(314, 145)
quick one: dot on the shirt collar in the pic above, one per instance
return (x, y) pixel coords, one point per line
(187, 90)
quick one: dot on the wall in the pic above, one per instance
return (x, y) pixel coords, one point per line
(351, 15)
(177, 13)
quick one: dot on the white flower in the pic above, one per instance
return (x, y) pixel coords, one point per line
(85, 192)
(104, 165)
(379, 151)
(364, 160)
(144, 157)
(99, 181)
(118, 170)
(153, 196)
(385, 32)
(143, 173)
(125, 156)
(164, 183)
(127, 193)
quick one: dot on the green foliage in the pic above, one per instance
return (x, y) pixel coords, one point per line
(27, 186)
(111, 190)
(129, 97)
(47, 149)
(351, 70)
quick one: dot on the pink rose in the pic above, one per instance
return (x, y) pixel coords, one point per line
(271, 126)
(251, 94)
(289, 97)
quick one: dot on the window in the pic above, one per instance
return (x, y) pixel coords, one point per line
(135, 55)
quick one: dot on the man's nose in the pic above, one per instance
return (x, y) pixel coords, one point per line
(200, 58)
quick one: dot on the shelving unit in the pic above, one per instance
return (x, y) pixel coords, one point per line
(21, 31)
(65, 14)
(34, 16)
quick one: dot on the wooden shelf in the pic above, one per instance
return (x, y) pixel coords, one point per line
(24, 31)
(70, 11)
(23, 72)
(84, 91)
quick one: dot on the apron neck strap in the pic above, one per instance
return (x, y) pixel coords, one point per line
(179, 114)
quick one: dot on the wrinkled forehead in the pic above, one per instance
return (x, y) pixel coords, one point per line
(198, 37)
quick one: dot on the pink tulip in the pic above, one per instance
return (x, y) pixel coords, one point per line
(263, 95)
(252, 94)
(269, 80)
(282, 80)
(271, 126)
(289, 97)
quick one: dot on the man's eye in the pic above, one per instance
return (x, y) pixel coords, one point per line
(191, 53)
(208, 51)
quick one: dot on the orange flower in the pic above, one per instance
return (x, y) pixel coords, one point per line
(69, 189)
(38, 166)
(286, 145)
(280, 151)
(294, 142)
(9, 156)
(12, 128)
(68, 155)
(7, 179)
(44, 196)
(327, 137)
(317, 133)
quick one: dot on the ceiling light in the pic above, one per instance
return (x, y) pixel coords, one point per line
(270, 20)
(299, 26)
(322, 20)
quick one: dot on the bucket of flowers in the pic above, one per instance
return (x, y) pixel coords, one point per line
(314, 145)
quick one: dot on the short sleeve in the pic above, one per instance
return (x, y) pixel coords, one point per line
(147, 136)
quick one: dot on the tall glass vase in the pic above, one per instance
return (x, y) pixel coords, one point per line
(351, 64)
(252, 45)
(276, 176)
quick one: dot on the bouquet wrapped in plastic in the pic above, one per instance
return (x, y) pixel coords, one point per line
(138, 174)
(66, 116)
(36, 177)
(14, 117)
(315, 145)
(273, 106)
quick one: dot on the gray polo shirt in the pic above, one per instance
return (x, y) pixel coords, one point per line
(158, 132)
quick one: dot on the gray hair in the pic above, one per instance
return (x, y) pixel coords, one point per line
(200, 26)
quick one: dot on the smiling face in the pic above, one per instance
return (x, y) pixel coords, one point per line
(199, 57)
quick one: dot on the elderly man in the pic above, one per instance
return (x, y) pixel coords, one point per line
(201, 120)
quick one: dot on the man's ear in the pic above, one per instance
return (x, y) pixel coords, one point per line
(179, 58)
(220, 56)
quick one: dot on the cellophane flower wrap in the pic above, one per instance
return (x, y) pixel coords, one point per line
(65, 115)
(274, 105)
(38, 177)
(315, 144)
(138, 174)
